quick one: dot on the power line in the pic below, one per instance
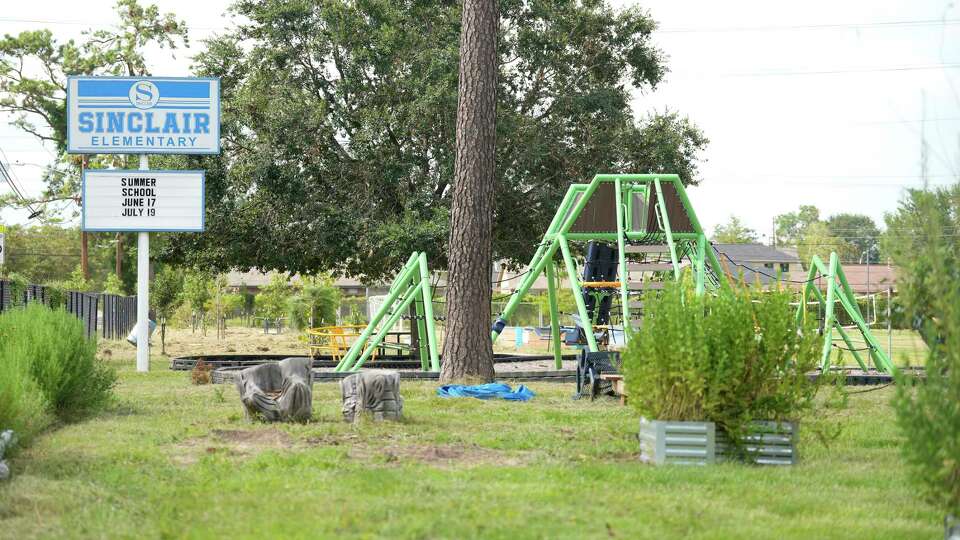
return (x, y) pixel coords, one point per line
(92, 24)
(827, 26)
(824, 72)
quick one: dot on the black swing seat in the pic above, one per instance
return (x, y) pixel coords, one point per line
(590, 365)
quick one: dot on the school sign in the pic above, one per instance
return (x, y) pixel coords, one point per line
(143, 115)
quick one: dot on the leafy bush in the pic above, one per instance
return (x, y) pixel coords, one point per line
(50, 347)
(729, 357)
(113, 285)
(23, 407)
(929, 413)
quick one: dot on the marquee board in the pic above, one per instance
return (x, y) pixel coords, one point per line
(143, 200)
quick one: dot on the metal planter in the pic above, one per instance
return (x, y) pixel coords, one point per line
(664, 442)
(765, 443)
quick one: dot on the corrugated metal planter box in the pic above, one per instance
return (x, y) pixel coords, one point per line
(683, 443)
(766, 443)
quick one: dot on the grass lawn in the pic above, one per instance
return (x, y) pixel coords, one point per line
(908, 347)
(169, 459)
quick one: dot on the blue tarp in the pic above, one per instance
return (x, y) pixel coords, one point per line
(486, 391)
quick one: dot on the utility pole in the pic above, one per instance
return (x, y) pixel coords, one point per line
(923, 137)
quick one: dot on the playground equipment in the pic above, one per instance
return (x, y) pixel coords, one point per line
(838, 291)
(333, 341)
(640, 229)
(411, 286)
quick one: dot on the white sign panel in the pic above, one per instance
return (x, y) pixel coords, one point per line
(143, 201)
(143, 115)
(3, 247)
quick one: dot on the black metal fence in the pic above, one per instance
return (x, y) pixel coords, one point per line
(119, 313)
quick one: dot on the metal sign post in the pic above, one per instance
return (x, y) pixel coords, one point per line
(143, 291)
(143, 115)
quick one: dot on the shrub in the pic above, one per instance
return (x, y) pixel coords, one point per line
(929, 413)
(729, 357)
(23, 407)
(113, 285)
(50, 347)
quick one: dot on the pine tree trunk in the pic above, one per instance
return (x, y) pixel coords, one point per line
(467, 350)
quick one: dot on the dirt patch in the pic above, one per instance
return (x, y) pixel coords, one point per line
(231, 442)
(443, 456)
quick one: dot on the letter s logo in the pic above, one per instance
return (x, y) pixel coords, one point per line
(144, 94)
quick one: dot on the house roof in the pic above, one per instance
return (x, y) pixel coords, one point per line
(756, 253)
(253, 278)
(862, 278)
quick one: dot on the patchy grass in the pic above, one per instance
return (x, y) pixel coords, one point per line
(245, 340)
(908, 347)
(171, 459)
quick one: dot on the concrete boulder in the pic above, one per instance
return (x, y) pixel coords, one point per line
(280, 392)
(375, 392)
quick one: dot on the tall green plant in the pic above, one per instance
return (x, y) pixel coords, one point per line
(51, 346)
(926, 249)
(729, 358)
(23, 407)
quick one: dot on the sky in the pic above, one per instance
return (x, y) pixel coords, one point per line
(820, 102)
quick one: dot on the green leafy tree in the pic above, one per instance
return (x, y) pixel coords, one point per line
(928, 254)
(197, 294)
(233, 304)
(49, 252)
(43, 253)
(166, 295)
(316, 304)
(860, 232)
(817, 240)
(734, 232)
(790, 227)
(34, 67)
(272, 300)
(339, 119)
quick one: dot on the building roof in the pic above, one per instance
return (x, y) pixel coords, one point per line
(253, 278)
(756, 253)
(863, 279)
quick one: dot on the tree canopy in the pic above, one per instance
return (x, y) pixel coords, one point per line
(34, 67)
(860, 231)
(851, 235)
(338, 127)
(734, 231)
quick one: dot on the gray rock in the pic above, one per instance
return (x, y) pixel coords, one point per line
(7, 439)
(281, 392)
(377, 392)
(951, 527)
